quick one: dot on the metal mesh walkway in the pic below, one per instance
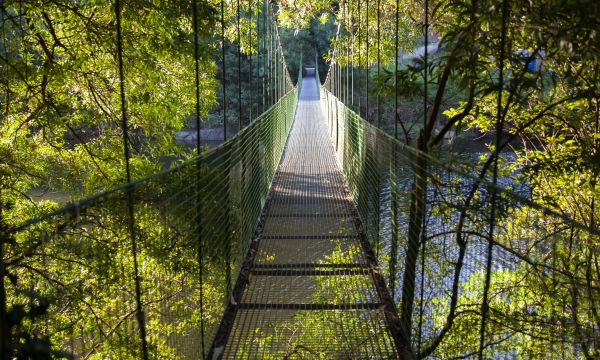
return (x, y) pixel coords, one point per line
(310, 291)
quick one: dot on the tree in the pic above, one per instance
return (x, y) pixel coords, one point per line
(61, 132)
(553, 111)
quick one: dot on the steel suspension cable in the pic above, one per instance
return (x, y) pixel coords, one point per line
(426, 60)
(495, 154)
(126, 153)
(258, 63)
(269, 56)
(265, 59)
(378, 60)
(227, 232)
(423, 212)
(276, 63)
(250, 70)
(288, 84)
(348, 44)
(351, 19)
(393, 176)
(273, 62)
(199, 170)
(223, 70)
(239, 63)
(276, 82)
(367, 64)
(378, 248)
(359, 68)
(273, 55)
(396, 72)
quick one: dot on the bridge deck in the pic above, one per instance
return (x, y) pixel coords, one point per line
(310, 292)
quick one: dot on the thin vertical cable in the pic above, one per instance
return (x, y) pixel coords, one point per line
(126, 152)
(378, 60)
(228, 237)
(197, 74)
(270, 57)
(499, 126)
(378, 244)
(349, 35)
(367, 64)
(359, 68)
(273, 60)
(393, 176)
(340, 70)
(352, 52)
(275, 64)
(199, 171)
(426, 60)
(265, 58)
(257, 7)
(223, 70)
(239, 61)
(276, 82)
(425, 111)
(250, 77)
(396, 73)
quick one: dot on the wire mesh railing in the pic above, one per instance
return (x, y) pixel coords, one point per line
(75, 265)
(144, 270)
(427, 218)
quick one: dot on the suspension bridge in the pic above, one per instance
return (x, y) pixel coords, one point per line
(309, 234)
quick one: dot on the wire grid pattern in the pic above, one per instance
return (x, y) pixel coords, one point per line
(79, 258)
(382, 176)
(310, 293)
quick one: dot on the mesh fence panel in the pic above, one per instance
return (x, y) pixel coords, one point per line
(538, 296)
(196, 218)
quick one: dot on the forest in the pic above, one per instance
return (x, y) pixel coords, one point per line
(117, 240)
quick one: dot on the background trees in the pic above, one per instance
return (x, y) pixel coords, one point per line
(60, 111)
(60, 95)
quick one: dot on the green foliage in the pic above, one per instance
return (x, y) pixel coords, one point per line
(60, 131)
(72, 275)
(308, 45)
(542, 303)
(61, 102)
(70, 284)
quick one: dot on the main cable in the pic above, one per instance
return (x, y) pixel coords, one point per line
(495, 154)
(126, 152)
(199, 171)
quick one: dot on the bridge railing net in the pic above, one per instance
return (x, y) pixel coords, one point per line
(193, 227)
(535, 302)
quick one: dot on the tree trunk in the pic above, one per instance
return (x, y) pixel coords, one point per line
(416, 218)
